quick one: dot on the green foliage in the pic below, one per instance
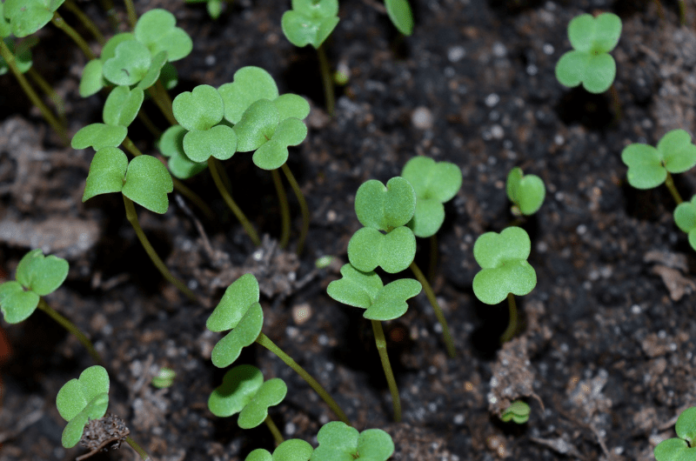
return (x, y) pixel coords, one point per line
(648, 166)
(399, 12)
(92, 80)
(171, 145)
(129, 65)
(99, 136)
(685, 218)
(239, 310)
(22, 55)
(393, 252)
(526, 192)
(340, 442)
(435, 183)
(249, 85)
(5, 26)
(503, 259)
(310, 22)
(290, 450)
(122, 106)
(214, 7)
(157, 30)
(28, 16)
(324, 261)
(518, 412)
(164, 378)
(589, 63)
(366, 290)
(37, 275)
(80, 400)
(145, 180)
(243, 391)
(680, 448)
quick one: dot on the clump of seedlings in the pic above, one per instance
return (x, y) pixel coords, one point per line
(526, 192)
(517, 412)
(680, 448)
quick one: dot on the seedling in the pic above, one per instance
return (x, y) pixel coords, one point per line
(590, 62)
(28, 16)
(290, 450)
(399, 12)
(517, 412)
(214, 7)
(38, 275)
(680, 448)
(685, 218)
(526, 192)
(239, 310)
(338, 441)
(171, 145)
(505, 270)
(22, 56)
(164, 378)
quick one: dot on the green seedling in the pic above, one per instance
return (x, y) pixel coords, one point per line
(685, 218)
(171, 145)
(680, 448)
(338, 441)
(590, 62)
(400, 14)
(324, 262)
(505, 271)
(239, 310)
(164, 378)
(517, 412)
(290, 450)
(22, 57)
(526, 192)
(28, 16)
(214, 7)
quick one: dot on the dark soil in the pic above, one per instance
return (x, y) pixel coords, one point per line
(604, 354)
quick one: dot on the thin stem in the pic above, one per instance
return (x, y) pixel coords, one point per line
(143, 454)
(669, 182)
(326, 80)
(60, 23)
(132, 16)
(682, 12)
(271, 346)
(284, 209)
(433, 258)
(214, 166)
(72, 328)
(449, 343)
(274, 430)
(616, 102)
(31, 94)
(84, 19)
(512, 323)
(132, 217)
(50, 92)
(161, 98)
(384, 357)
(304, 209)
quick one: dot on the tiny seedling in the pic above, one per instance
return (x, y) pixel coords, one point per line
(590, 62)
(214, 7)
(337, 441)
(526, 192)
(164, 378)
(171, 145)
(685, 218)
(505, 271)
(517, 412)
(290, 450)
(680, 448)
(400, 14)
(28, 16)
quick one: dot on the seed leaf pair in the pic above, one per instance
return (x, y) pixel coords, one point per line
(648, 166)
(399, 12)
(518, 412)
(290, 450)
(590, 63)
(28, 16)
(526, 192)
(680, 448)
(22, 55)
(685, 218)
(435, 183)
(310, 22)
(81, 400)
(503, 259)
(145, 180)
(239, 310)
(37, 275)
(243, 391)
(366, 290)
(171, 145)
(340, 442)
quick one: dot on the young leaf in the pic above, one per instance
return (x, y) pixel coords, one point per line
(99, 136)
(257, 125)
(399, 12)
(28, 16)
(16, 304)
(219, 142)
(92, 80)
(291, 105)
(393, 252)
(338, 441)
(227, 350)
(685, 218)
(250, 85)
(122, 106)
(5, 26)
(271, 393)
(109, 50)
(41, 274)
(290, 450)
(525, 192)
(157, 30)
(95, 409)
(130, 63)
(153, 73)
(648, 166)
(385, 207)
(518, 411)
(171, 145)
(274, 153)
(686, 425)
(22, 55)
(677, 449)
(310, 22)
(200, 109)
(503, 259)
(106, 172)
(390, 302)
(147, 183)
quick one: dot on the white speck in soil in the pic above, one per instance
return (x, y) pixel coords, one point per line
(323, 340)
(548, 49)
(459, 419)
(635, 309)
(422, 118)
(581, 229)
(492, 99)
(192, 284)
(290, 428)
(497, 133)
(499, 50)
(532, 69)
(542, 247)
(438, 328)
(210, 60)
(432, 407)
(456, 53)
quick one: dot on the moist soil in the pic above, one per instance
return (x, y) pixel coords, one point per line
(603, 353)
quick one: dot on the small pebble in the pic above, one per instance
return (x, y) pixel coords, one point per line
(422, 118)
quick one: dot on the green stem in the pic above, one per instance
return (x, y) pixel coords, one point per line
(132, 217)
(132, 16)
(274, 430)
(143, 454)
(72, 328)
(271, 346)
(384, 357)
(304, 209)
(50, 92)
(60, 23)
(284, 209)
(512, 323)
(327, 80)
(669, 182)
(31, 94)
(433, 258)
(682, 12)
(84, 19)
(161, 97)
(215, 166)
(449, 343)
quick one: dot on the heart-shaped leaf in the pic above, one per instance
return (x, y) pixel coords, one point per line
(648, 166)
(219, 142)
(147, 183)
(106, 173)
(301, 30)
(503, 258)
(99, 136)
(109, 50)
(677, 150)
(393, 252)
(674, 450)
(257, 125)
(28, 16)
(356, 288)
(92, 80)
(385, 207)
(527, 192)
(74, 396)
(598, 35)
(518, 412)
(200, 109)
(433, 180)
(122, 106)
(95, 409)
(157, 30)
(399, 12)
(129, 65)
(227, 350)
(340, 442)
(428, 217)
(291, 106)
(271, 393)
(686, 425)
(685, 218)
(41, 274)
(250, 85)
(171, 145)
(153, 73)
(274, 153)
(15, 303)
(391, 303)
(290, 450)
(238, 298)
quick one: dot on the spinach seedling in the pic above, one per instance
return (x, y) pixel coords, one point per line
(239, 310)
(680, 448)
(214, 7)
(310, 22)
(517, 412)
(38, 275)
(590, 62)
(526, 192)
(399, 12)
(366, 290)
(505, 271)
(290, 450)
(339, 441)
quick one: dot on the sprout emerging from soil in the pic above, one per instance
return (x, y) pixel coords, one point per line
(526, 192)
(164, 378)
(517, 412)
(214, 7)
(681, 447)
(338, 441)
